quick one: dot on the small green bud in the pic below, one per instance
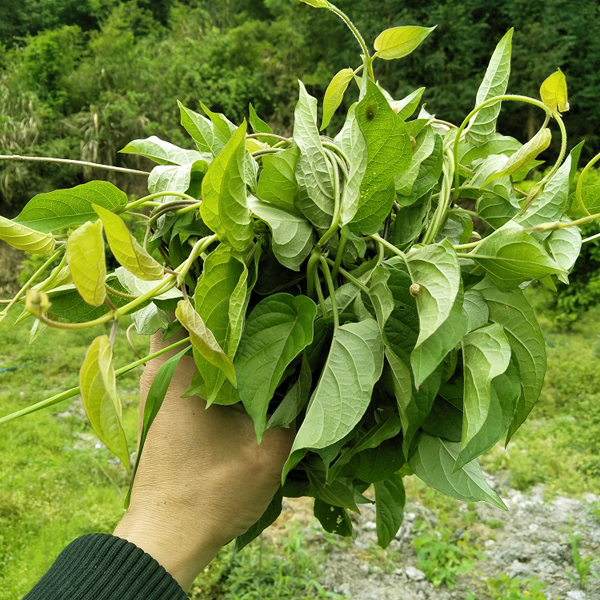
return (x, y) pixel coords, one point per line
(36, 302)
(415, 290)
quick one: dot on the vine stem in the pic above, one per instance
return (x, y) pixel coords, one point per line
(388, 245)
(560, 225)
(444, 200)
(563, 150)
(74, 391)
(591, 238)
(145, 199)
(579, 188)
(490, 101)
(331, 288)
(357, 35)
(349, 277)
(67, 161)
(271, 135)
(20, 293)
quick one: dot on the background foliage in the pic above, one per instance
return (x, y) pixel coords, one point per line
(79, 79)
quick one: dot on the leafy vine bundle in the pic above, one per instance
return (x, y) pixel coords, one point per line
(367, 288)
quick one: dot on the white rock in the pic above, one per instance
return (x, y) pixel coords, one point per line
(414, 573)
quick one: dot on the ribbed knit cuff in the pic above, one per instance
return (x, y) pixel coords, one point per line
(104, 567)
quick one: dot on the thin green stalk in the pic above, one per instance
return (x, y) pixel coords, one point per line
(350, 278)
(591, 238)
(579, 188)
(553, 226)
(74, 391)
(533, 194)
(264, 151)
(270, 135)
(151, 197)
(189, 208)
(338, 204)
(388, 245)
(118, 293)
(28, 284)
(168, 207)
(507, 97)
(331, 288)
(340, 253)
(199, 247)
(320, 295)
(357, 35)
(67, 161)
(467, 246)
(444, 200)
(311, 267)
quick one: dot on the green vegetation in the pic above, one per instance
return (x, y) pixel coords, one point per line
(79, 79)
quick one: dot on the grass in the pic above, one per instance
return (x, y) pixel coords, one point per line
(55, 483)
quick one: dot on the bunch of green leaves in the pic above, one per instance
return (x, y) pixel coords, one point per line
(343, 286)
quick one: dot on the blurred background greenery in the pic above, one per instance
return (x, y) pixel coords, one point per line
(81, 78)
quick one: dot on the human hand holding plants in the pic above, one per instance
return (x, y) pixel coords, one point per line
(202, 479)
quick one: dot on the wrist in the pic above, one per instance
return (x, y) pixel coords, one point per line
(181, 545)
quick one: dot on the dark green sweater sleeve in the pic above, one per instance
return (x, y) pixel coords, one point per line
(104, 567)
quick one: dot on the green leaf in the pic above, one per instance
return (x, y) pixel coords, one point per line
(201, 130)
(399, 42)
(433, 462)
(102, 404)
(220, 298)
(496, 144)
(277, 180)
(150, 319)
(409, 222)
(511, 310)
(293, 236)
(65, 208)
(435, 271)
(23, 238)
(203, 340)
(294, 401)
(389, 152)
(87, 265)
(496, 210)
(564, 246)
(511, 256)
(476, 310)
(317, 3)
(504, 394)
(494, 84)
(389, 501)
(353, 143)
(344, 390)
(333, 518)
(268, 518)
(334, 94)
(429, 173)
(525, 154)
(551, 203)
(154, 400)
(161, 152)
(136, 286)
(169, 178)
(554, 92)
(67, 303)
(276, 331)
(223, 127)
(486, 354)
(376, 464)
(257, 124)
(425, 145)
(337, 494)
(315, 189)
(380, 295)
(224, 207)
(126, 249)
(406, 107)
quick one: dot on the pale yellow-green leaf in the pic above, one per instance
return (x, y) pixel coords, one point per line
(24, 238)
(334, 94)
(525, 154)
(398, 42)
(317, 3)
(100, 400)
(126, 249)
(554, 92)
(85, 257)
(203, 339)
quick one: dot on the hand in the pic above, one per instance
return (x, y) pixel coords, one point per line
(202, 478)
